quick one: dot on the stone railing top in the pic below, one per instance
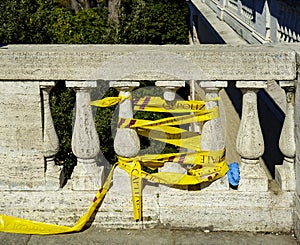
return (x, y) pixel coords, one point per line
(147, 62)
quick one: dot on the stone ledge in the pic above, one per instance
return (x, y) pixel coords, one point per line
(220, 210)
(147, 62)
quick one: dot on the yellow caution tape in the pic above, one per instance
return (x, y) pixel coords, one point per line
(24, 226)
(169, 178)
(170, 121)
(208, 165)
(135, 173)
(157, 104)
(109, 101)
(188, 140)
(161, 129)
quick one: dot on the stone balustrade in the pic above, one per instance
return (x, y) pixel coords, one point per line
(258, 22)
(211, 67)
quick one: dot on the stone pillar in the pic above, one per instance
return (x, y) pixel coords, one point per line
(126, 142)
(50, 140)
(250, 142)
(170, 88)
(285, 173)
(85, 141)
(213, 134)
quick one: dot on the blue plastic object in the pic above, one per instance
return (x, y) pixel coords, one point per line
(233, 174)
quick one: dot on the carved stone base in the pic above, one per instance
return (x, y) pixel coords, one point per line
(87, 175)
(285, 175)
(253, 177)
(121, 181)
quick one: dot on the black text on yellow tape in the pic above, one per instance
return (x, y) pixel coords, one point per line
(157, 104)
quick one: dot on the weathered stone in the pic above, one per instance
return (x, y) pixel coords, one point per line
(21, 144)
(170, 88)
(221, 210)
(151, 62)
(285, 173)
(50, 140)
(213, 135)
(87, 175)
(264, 208)
(126, 142)
(250, 142)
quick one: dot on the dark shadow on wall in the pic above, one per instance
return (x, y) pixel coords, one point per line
(256, 5)
(287, 13)
(271, 121)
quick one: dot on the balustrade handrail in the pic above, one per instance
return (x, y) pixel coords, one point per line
(147, 62)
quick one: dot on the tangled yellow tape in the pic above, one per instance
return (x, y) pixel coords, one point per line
(208, 165)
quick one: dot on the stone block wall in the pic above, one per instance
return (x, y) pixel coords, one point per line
(21, 159)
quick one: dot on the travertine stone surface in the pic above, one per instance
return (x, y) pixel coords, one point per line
(250, 142)
(285, 173)
(219, 210)
(147, 62)
(126, 142)
(50, 139)
(21, 138)
(87, 175)
(213, 134)
(170, 88)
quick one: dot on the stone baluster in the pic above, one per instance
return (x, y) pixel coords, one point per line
(50, 140)
(213, 134)
(285, 173)
(85, 141)
(250, 142)
(170, 88)
(221, 8)
(126, 141)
